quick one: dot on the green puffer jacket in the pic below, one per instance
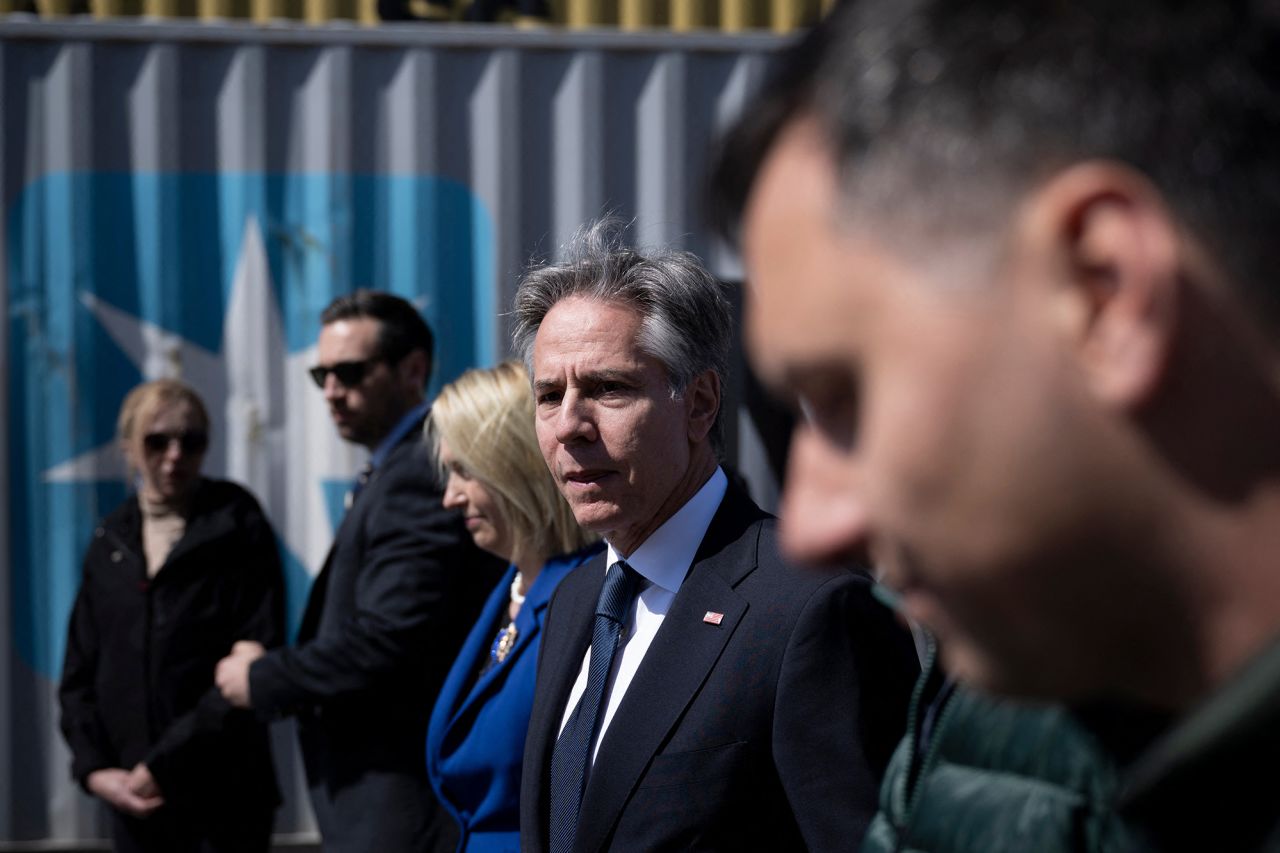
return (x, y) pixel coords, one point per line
(995, 777)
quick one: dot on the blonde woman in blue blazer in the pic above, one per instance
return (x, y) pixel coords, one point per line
(482, 428)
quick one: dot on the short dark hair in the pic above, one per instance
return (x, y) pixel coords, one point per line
(401, 328)
(942, 114)
(687, 322)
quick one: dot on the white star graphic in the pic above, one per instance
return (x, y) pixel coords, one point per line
(271, 429)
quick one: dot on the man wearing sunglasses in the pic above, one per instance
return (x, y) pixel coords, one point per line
(398, 591)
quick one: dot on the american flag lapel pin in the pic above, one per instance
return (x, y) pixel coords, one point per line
(713, 618)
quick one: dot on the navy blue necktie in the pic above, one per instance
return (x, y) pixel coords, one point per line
(572, 754)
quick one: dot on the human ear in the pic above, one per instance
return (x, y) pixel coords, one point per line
(702, 402)
(1114, 250)
(413, 369)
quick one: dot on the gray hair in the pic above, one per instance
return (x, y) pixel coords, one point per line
(686, 321)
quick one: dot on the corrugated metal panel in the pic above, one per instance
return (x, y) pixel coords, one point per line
(137, 163)
(729, 16)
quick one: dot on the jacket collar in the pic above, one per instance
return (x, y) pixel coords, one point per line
(410, 423)
(529, 622)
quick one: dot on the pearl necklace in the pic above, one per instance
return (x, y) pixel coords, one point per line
(516, 582)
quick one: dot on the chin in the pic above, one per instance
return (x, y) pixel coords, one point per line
(974, 668)
(596, 518)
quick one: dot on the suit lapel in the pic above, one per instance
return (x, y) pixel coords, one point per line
(315, 601)
(682, 655)
(527, 628)
(560, 659)
(563, 659)
(474, 651)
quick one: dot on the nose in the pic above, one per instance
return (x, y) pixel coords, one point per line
(173, 450)
(824, 511)
(333, 389)
(574, 421)
(453, 497)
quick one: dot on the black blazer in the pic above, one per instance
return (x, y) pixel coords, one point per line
(768, 731)
(386, 616)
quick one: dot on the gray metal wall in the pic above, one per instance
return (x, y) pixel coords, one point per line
(147, 172)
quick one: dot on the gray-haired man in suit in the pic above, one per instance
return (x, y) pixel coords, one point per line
(694, 691)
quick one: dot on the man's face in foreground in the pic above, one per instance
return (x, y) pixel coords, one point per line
(939, 430)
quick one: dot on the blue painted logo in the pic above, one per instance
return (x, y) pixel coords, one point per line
(115, 278)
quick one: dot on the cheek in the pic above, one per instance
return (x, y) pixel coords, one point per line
(502, 533)
(544, 431)
(913, 443)
(655, 433)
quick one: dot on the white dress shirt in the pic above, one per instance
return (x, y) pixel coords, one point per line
(662, 561)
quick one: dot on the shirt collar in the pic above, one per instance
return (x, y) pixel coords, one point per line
(665, 557)
(398, 432)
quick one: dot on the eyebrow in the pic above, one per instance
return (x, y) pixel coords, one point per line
(594, 377)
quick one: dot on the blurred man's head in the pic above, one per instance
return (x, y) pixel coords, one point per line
(1014, 261)
(374, 358)
(627, 353)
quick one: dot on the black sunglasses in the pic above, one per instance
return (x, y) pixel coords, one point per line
(348, 373)
(191, 441)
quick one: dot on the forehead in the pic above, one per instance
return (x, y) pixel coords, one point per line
(353, 339)
(798, 258)
(825, 287)
(582, 333)
(168, 412)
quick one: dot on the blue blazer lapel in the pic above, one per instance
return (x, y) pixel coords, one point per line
(528, 627)
(450, 703)
(683, 653)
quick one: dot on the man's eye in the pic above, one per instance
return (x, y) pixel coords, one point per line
(548, 398)
(831, 407)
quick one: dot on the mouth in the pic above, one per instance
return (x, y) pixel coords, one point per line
(584, 479)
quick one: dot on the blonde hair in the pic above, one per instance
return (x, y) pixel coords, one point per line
(486, 417)
(142, 403)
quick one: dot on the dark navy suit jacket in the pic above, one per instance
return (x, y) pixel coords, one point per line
(475, 742)
(384, 620)
(761, 718)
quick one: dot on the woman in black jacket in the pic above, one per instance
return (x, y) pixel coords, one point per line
(172, 578)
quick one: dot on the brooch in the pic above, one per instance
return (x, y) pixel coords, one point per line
(503, 643)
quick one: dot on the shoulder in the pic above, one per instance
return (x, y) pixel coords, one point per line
(120, 525)
(410, 461)
(583, 574)
(564, 563)
(1035, 756)
(579, 585)
(226, 493)
(225, 498)
(795, 581)
(125, 515)
(559, 568)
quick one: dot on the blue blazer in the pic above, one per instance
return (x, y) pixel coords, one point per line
(475, 742)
